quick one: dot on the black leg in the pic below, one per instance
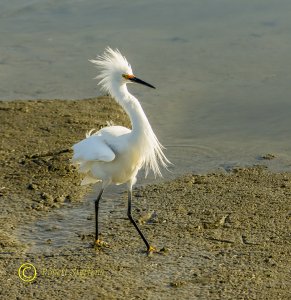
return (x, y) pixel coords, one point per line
(96, 213)
(149, 248)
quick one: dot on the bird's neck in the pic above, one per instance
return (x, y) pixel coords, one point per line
(143, 139)
(132, 107)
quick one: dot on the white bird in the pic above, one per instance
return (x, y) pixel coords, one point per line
(115, 154)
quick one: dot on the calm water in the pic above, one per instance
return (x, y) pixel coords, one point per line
(222, 69)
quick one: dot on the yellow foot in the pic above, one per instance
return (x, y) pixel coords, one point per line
(151, 250)
(98, 244)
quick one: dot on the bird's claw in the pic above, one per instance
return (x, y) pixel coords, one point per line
(151, 250)
(162, 251)
(100, 244)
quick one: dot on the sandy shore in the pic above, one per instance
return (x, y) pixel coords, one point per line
(223, 236)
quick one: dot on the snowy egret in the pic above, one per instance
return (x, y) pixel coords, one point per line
(115, 154)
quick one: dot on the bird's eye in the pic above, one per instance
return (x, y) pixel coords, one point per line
(125, 76)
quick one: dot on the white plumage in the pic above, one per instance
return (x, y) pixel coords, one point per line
(115, 154)
(104, 154)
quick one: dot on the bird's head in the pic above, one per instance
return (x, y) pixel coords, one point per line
(115, 70)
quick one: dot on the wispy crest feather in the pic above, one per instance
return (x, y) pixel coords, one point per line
(111, 64)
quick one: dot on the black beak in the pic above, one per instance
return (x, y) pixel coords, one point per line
(137, 80)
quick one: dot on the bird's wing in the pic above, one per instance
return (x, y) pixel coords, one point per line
(93, 148)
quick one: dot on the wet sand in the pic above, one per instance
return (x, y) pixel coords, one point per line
(221, 236)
